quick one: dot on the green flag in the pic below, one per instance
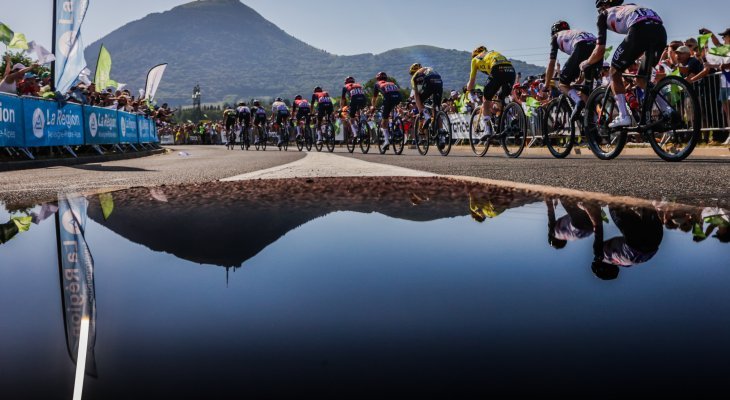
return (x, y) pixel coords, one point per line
(607, 53)
(703, 39)
(102, 78)
(722, 51)
(6, 34)
(107, 204)
(18, 42)
(23, 223)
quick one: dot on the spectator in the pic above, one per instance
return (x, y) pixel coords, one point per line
(724, 77)
(9, 84)
(690, 67)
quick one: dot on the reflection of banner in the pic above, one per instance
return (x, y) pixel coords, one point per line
(154, 77)
(48, 125)
(11, 121)
(460, 125)
(70, 61)
(100, 126)
(77, 278)
(127, 127)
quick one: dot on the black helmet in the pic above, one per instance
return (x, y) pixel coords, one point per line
(256, 102)
(318, 90)
(298, 97)
(381, 76)
(559, 27)
(349, 79)
(242, 104)
(608, 3)
(279, 99)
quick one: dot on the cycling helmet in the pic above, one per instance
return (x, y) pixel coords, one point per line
(559, 27)
(256, 102)
(479, 50)
(415, 67)
(318, 90)
(608, 3)
(298, 97)
(279, 99)
(349, 79)
(242, 104)
(381, 76)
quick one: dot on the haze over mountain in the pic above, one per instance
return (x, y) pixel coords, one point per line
(233, 52)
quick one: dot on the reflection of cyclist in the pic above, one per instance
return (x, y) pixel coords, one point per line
(391, 98)
(8, 231)
(642, 234)
(575, 225)
(358, 101)
(481, 208)
(501, 76)
(717, 219)
(645, 34)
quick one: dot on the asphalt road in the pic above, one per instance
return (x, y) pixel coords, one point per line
(701, 180)
(203, 164)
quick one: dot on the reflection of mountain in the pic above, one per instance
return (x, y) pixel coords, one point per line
(228, 223)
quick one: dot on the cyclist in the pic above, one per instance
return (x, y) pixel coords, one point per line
(579, 45)
(301, 110)
(358, 101)
(279, 115)
(645, 34)
(501, 76)
(426, 84)
(391, 98)
(229, 118)
(244, 119)
(259, 117)
(324, 107)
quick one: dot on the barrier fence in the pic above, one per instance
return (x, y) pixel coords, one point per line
(32, 122)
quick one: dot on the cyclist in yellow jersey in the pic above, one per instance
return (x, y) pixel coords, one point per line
(501, 76)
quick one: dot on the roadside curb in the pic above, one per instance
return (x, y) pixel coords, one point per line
(66, 162)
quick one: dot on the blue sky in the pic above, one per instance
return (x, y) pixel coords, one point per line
(518, 29)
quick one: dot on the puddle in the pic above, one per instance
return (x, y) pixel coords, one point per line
(359, 288)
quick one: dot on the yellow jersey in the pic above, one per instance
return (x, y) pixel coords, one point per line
(486, 61)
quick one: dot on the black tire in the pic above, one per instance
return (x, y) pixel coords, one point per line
(330, 137)
(513, 130)
(308, 139)
(398, 137)
(350, 139)
(285, 138)
(264, 138)
(559, 136)
(365, 138)
(319, 145)
(445, 133)
(603, 142)
(423, 137)
(675, 137)
(257, 138)
(476, 131)
(300, 139)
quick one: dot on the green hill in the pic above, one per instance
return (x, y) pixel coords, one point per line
(233, 52)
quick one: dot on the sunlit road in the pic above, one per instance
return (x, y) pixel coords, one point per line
(701, 180)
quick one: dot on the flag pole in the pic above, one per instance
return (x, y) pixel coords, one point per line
(53, 46)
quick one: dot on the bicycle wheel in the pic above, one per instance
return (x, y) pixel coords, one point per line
(365, 134)
(308, 140)
(672, 108)
(444, 133)
(398, 137)
(258, 141)
(330, 137)
(319, 144)
(285, 138)
(513, 128)
(264, 138)
(476, 134)
(559, 133)
(350, 139)
(601, 109)
(422, 137)
(300, 142)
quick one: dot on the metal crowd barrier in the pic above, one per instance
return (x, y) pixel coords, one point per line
(711, 105)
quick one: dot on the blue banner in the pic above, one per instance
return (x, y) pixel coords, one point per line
(128, 132)
(48, 125)
(69, 49)
(100, 126)
(11, 121)
(143, 124)
(155, 134)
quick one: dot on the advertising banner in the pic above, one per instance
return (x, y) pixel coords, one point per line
(128, 132)
(11, 121)
(143, 127)
(100, 126)
(48, 125)
(460, 125)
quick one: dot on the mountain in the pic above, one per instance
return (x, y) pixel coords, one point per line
(233, 52)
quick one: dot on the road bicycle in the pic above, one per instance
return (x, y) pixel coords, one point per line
(259, 132)
(363, 136)
(396, 132)
(328, 135)
(436, 130)
(304, 140)
(667, 116)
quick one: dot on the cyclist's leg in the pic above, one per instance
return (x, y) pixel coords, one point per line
(493, 85)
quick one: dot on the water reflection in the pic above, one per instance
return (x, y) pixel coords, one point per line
(357, 287)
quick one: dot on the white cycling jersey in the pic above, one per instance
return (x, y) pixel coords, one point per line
(567, 40)
(622, 18)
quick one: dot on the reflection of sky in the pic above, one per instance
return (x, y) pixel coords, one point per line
(368, 293)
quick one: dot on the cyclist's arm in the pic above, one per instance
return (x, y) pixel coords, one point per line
(343, 101)
(376, 91)
(600, 50)
(473, 75)
(551, 65)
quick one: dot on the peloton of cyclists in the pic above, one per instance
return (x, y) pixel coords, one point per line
(501, 76)
(391, 98)
(354, 91)
(645, 34)
(324, 108)
(578, 45)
